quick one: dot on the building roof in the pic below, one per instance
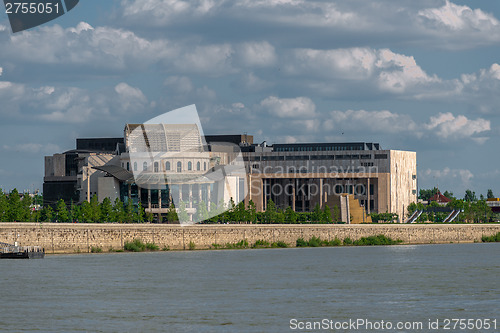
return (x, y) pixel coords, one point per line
(116, 171)
(438, 197)
(163, 138)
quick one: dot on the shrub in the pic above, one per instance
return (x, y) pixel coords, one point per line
(260, 243)
(165, 248)
(334, 242)
(152, 247)
(376, 240)
(490, 239)
(136, 246)
(347, 241)
(192, 245)
(95, 249)
(301, 243)
(279, 244)
(315, 242)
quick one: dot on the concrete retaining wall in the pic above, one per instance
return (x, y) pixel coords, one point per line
(75, 238)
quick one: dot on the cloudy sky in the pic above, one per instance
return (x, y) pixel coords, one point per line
(411, 75)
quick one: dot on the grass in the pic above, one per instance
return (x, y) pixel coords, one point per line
(138, 246)
(363, 241)
(491, 239)
(95, 249)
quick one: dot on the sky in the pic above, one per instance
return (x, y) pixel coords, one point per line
(411, 75)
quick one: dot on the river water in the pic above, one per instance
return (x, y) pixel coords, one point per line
(268, 290)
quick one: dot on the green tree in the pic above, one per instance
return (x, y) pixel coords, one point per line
(14, 210)
(280, 217)
(47, 214)
(202, 211)
(130, 215)
(172, 214)
(290, 215)
(141, 214)
(62, 214)
(270, 213)
(449, 195)
(470, 196)
(251, 212)
(86, 212)
(4, 206)
(490, 194)
(327, 215)
(26, 208)
(336, 213)
(118, 211)
(106, 209)
(427, 194)
(183, 214)
(316, 215)
(94, 208)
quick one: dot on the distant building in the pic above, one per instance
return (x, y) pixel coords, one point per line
(440, 199)
(299, 175)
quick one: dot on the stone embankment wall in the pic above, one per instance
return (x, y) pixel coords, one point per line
(76, 238)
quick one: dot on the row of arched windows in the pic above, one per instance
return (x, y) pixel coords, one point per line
(168, 167)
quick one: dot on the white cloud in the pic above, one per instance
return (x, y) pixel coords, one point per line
(299, 107)
(32, 148)
(179, 84)
(374, 121)
(213, 60)
(458, 27)
(257, 54)
(446, 125)
(449, 175)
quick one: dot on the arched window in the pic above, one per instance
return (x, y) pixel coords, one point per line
(190, 166)
(205, 166)
(155, 167)
(135, 166)
(144, 166)
(198, 166)
(167, 166)
(179, 167)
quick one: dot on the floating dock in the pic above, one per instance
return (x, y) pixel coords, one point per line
(9, 251)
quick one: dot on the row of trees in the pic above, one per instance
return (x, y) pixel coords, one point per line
(469, 196)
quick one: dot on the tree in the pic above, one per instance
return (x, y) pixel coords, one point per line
(449, 195)
(336, 213)
(14, 210)
(118, 211)
(130, 215)
(86, 212)
(183, 214)
(202, 211)
(327, 215)
(4, 206)
(490, 194)
(62, 214)
(270, 213)
(427, 194)
(316, 214)
(470, 196)
(26, 211)
(47, 214)
(252, 212)
(172, 214)
(95, 212)
(290, 215)
(106, 210)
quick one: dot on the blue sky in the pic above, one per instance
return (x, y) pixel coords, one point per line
(412, 75)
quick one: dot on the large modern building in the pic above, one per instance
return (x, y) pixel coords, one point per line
(156, 165)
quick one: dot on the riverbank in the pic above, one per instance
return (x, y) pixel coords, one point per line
(82, 237)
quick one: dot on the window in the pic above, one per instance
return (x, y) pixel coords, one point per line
(190, 166)
(179, 167)
(167, 166)
(155, 166)
(135, 166)
(128, 166)
(198, 166)
(380, 156)
(205, 166)
(144, 166)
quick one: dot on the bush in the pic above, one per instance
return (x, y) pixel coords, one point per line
(279, 244)
(301, 243)
(334, 242)
(347, 241)
(136, 246)
(491, 239)
(152, 247)
(95, 249)
(260, 243)
(315, 242)
(192, 245)
(376, 240)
